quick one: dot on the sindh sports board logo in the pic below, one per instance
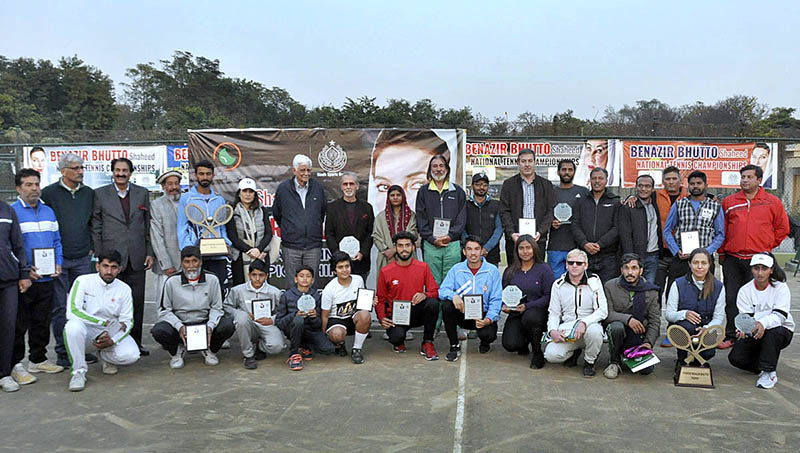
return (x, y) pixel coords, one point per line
(332, 157)
(228, 154)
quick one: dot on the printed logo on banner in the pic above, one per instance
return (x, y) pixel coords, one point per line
(332, 157)
(228, 154)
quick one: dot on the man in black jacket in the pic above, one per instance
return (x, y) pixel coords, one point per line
(594, 226)
(349, 216)
(14, 276)
(524, 196)
(640, 227)
(483, 218)
(299, 208)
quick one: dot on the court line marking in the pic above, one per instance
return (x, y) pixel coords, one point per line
(458, 432)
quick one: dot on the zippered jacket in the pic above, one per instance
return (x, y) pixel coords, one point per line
(486, 281)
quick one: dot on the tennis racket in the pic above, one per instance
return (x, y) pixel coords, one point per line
(681, 339)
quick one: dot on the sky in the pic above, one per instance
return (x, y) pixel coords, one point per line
(497, 57)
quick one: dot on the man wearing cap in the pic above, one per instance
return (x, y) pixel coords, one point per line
(164, 229)
(349, 216)
(483, 218)
(299, 209)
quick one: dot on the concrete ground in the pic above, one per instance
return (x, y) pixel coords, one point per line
(400, 402)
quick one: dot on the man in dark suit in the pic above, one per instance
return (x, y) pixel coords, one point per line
(121, 222)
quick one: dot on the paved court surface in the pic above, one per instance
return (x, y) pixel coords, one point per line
(400, 402)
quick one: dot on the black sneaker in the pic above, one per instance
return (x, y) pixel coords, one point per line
(453, 354)
(341, 350)
(91, 358)
(573, 361)
(484, 348)
(537, 361)
(357, 356)
(259, 354)
(250, 363)
(588, 370)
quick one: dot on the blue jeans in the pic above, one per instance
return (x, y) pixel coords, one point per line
(650, 262)
(70, 270)
(558, 262)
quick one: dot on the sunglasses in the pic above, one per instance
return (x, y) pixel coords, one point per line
(576, 263)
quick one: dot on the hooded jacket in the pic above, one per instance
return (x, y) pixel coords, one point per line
(569, 303)
(287, 309)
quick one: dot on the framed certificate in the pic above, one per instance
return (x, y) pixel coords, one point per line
(441, 227)
(350, 245)
(364, 299)
(196, 337)
(690, 240)
(306, 303)
(401, 312)
(44, 259)
(262, 308)
(527, 226)
(473, 306)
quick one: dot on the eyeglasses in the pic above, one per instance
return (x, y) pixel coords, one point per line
(76, 168)
(576, 263)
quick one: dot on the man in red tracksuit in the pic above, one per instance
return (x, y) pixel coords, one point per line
(755, 222)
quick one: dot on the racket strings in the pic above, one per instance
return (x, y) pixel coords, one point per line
(679, 336)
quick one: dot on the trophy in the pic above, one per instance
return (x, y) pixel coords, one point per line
(745, 323)
(211, 243)
(686, 376)
(563, 213)
(512, 296)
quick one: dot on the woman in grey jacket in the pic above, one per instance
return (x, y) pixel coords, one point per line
(249, 230)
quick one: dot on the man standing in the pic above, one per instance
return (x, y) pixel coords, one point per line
(561, 240)
(444, 203)
(594, 226)
(755, 221)
(640, 228)
(189, 234)
(299, 209)
(524, 196)
(121, 222)
(634, 313)
(483, 218)
(14, 279)
(164, 229)
(39, 231)
(73, 203)
(349, 216)
(100, 314)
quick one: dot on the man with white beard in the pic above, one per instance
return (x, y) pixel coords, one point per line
(164, 230)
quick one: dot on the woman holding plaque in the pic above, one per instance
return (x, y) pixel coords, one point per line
(397, 217)
(249, 230)
(527, 321)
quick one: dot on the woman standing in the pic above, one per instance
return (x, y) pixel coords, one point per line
(527, 321)
(397, 217)
(249, 230)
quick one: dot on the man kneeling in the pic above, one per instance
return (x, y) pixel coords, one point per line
(101, 315)
(339, 315)
(634, 316)
(191, 297)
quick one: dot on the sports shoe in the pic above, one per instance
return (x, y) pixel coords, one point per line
(612, 371)
(537, 361)
(427, 349)
(306, 353)
(386, 336)
(666, 343)
(63, 361)
(767, 379)
(176, 361)
(409, 335)
(210, 357)
(462, 334)
(77, 382)
(725, 344)
(356, 356)
(573, 361)
(453, 354)
(295, 362)
(259, 354)
(90, 359)
(8, 384)
(484, 348)
(341, 350)
(399, 349)
(109, 368)
(44, 367)
(472, 334)
(21, 375)
(250, 363)
(226, 344)
(588, 370)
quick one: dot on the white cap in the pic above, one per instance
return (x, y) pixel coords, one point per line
(763, 259)
(247, 183)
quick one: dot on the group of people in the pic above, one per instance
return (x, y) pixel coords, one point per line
(589, 267)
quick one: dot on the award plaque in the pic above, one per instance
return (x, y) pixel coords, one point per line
(690, 240)
(261, 308)
(745, 323)
(473, 306)
(401, 312)
(364, 299)
(693, 376)
(306, 303)
(527, 226)
(563, 212)
(441, 227)
(44, 259)
(196, 337)
(512, 296)
(211, 243)
(213, 247)
(350, 245)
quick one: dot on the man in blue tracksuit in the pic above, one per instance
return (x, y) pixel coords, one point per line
(474, 276)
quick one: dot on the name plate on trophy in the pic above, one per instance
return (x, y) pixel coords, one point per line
(213, 247)
(401, 312)
(527, 226)
(512, 296)
(473, 306)
(44, 259)
(441, 227)
(350, 245)
(196, 337)
(563, 212)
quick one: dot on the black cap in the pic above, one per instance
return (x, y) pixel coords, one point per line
(480, 176)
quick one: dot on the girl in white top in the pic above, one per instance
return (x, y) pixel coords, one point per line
(767, 300)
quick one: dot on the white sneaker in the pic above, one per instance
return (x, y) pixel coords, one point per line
(77, 382)
(177, 360)
(44, 367)
(226, 344)
(21, 375)
(767, 379)
(211, 358)
(612, 371)
(386, 336)
(109, 368)
(8, 384)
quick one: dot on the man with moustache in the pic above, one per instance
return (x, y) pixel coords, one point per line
(121, 222)
(594, 226)
(561, 239)
(164, 229)
(640, 228)
(483, 218)
(349, 216)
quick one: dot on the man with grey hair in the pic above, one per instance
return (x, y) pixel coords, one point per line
(72, 202)
(164, 229)
(349, 216)
(299, 208)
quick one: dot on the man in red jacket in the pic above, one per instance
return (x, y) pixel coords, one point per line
(755, 222)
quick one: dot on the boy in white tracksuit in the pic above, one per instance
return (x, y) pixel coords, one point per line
(100, 303)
